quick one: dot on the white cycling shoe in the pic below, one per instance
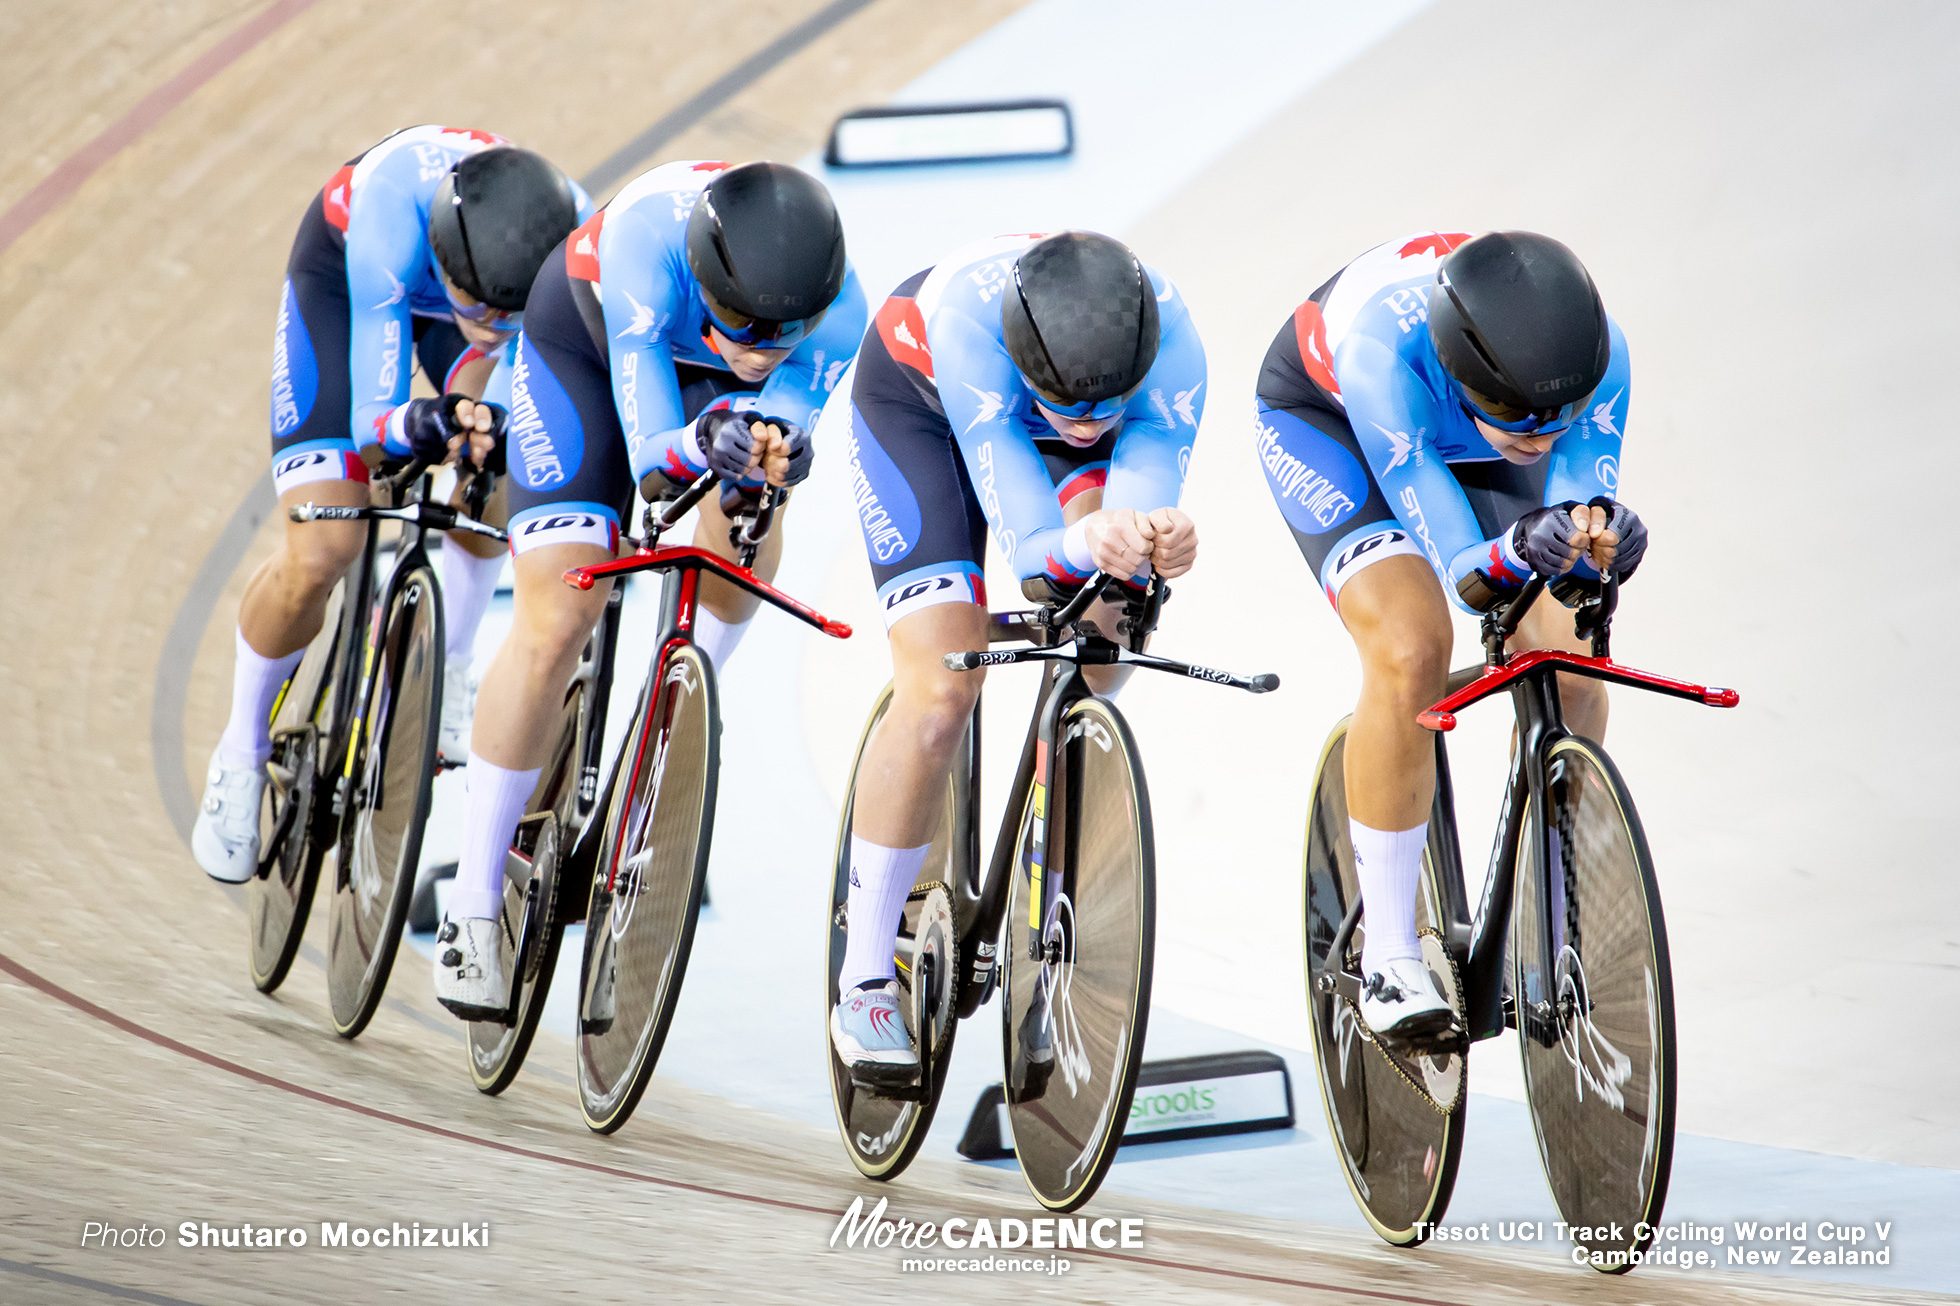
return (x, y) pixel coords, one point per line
(458, 712)
(1400, 1001)
(470, 978)
(870, 1036)
(225, 839)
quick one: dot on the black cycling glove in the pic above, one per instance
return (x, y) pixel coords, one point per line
(726, 442)
(428, 425)
(1543, 538)
(1624, 522)
(801, 453)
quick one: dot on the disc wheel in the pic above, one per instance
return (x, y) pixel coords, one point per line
(280, 897)
(391, 769)
(532, 933)
(1076, 1009)
(1597, 1025)
(646, 892)
(1396, 1119)
(882, 1134)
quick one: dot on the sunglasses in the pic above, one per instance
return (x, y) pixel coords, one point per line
(1515, 420)
(1088, 410)
(497, 319)
(756, 332)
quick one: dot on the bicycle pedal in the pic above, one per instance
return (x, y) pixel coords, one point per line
(896, 1083)
(1451, 1041)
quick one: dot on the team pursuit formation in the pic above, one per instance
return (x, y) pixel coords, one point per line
(1440, 422)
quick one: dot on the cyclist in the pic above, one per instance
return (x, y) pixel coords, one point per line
(1445, 409)
(726, 313)
(1048, 389)
(429, 241)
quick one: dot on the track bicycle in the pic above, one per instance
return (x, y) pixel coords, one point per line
(354, 733)
(1568, 947)
(646, 856)
(1072, 878)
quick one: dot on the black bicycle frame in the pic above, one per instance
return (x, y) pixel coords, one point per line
(1531, 679)
(1037, 780)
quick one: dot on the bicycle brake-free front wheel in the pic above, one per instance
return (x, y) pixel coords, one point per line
(646, 890)
(1595, 1004)
(280, 897)
(391, 772)
(883, 1126)
(533, 932)
(1395, 1117)
(1078, 967)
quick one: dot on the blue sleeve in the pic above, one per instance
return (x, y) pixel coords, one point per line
(642, 300)
(1386, 401)
(981, 391)
(1153, 451)
(797, 389)
(385, 242)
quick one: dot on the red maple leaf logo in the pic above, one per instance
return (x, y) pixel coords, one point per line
(1438, 243)
(582, 249)
(1310, 332)
(338, 196)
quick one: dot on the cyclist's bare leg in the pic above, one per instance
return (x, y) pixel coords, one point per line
(1401, 627)
(1400, 623)
(286, 599)
(902, 779)
(523, 690)
(520, 704)
(901, 782)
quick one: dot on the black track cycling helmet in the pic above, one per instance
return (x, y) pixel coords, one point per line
(493, 220)
(1080, 320)
(767, 247)
(1517, 322)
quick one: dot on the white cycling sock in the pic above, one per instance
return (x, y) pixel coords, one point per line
(881, 880)
(467, 584)
(494, 800)
(715, 637)
(1389, 866)
(255, 682)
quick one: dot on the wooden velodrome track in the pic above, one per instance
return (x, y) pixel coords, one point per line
(142, 1080)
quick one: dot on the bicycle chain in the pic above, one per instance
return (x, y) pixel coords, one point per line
(1368, 1036)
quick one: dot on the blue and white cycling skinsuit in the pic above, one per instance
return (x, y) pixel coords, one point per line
(614, 364)
(944, 441)
(361, 292)
(1370, 452)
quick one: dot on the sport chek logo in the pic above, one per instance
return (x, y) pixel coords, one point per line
(338, 198)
